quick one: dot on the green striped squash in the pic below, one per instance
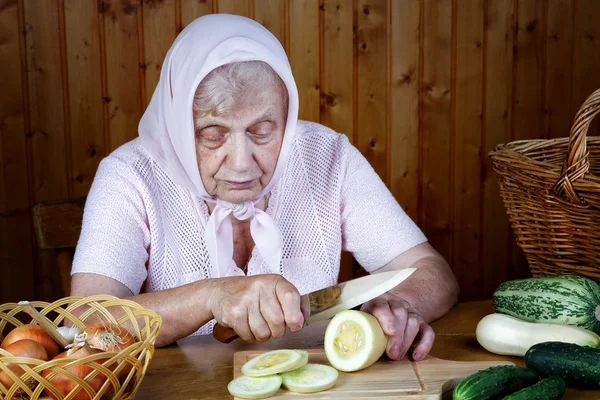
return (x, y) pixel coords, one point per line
(565, 299)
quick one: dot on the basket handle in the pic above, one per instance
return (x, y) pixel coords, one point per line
(577, 163)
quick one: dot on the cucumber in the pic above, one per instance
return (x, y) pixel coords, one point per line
(567, 299)
(578, 366)
(493, 382)
(551, 388)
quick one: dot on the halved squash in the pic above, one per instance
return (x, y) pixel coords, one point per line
(354, 340)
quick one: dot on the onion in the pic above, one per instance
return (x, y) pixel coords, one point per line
(22, 348)
(65, 384)
(31, 332)
(108, 337)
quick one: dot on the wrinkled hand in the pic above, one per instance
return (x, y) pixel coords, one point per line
(403, 326)
(259, 307)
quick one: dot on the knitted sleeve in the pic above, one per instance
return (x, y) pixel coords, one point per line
(115, 238)
(375, 229)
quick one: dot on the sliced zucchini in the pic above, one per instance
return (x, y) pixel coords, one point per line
(274, 362)
(304, 356)
(247, 387)
(310, 378)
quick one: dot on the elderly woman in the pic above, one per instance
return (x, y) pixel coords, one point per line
(228, 209)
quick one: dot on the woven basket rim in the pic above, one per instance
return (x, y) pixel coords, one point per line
(122, 371)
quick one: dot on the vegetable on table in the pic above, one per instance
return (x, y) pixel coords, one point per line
(492, 382)
(259, 381)
(551, 388)
(566, 299)
(507, 335)
(354, 340)
(274, 362)
(249, 387)
(578, 366)
(310, 378)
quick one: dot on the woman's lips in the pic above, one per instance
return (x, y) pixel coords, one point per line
(240, 185)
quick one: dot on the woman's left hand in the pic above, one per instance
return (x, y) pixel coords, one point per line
(402, 324)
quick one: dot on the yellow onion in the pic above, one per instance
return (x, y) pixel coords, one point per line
(31, 332)
(22, 348)
(65, 384)
(107, 337)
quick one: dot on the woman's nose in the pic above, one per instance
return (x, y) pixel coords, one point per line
(240, 154)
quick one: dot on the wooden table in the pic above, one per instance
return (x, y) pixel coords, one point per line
(201, 367)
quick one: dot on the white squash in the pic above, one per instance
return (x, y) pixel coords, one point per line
(506, 335)
(354, 340)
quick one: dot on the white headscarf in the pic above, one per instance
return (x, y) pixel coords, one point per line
(167, 127)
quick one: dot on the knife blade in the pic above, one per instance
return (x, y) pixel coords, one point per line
(327, 302)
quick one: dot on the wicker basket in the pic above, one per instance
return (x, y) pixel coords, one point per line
(144, 325)
(551, 190)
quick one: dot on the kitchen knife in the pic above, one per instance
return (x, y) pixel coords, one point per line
(326, 303)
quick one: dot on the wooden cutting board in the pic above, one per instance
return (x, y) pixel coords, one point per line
(431, 378)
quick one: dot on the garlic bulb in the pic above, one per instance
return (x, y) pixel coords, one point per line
(69, 332)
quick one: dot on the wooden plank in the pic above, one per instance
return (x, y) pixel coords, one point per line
(271, 14)
(467, 154)
(586, 78)
(338, 82)
(239, 7)
(337, 63)
(372, 71)
(304, 56)
(47, 124)
(559, 45)
(436, 140)
(16, 260)
(404, 105)
(530, 64)
(192, 9)
(499, 34)
(85, 92)
(528, 95)
(160, 31)
(47, 127)
(124, 94)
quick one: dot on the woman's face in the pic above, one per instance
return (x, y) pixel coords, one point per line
(237, 151)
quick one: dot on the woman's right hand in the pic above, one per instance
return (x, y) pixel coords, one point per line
(259, 307)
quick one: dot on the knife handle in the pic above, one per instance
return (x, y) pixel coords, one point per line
(225, 335)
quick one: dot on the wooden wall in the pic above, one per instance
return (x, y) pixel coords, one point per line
(424, 88)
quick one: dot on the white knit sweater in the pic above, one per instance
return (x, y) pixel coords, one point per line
(147, 232)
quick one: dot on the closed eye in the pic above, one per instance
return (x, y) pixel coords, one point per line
(262, 131)
(212, 136)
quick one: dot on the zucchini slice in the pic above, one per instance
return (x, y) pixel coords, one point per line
(310, 378)
(247, 387)
(274, 362)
